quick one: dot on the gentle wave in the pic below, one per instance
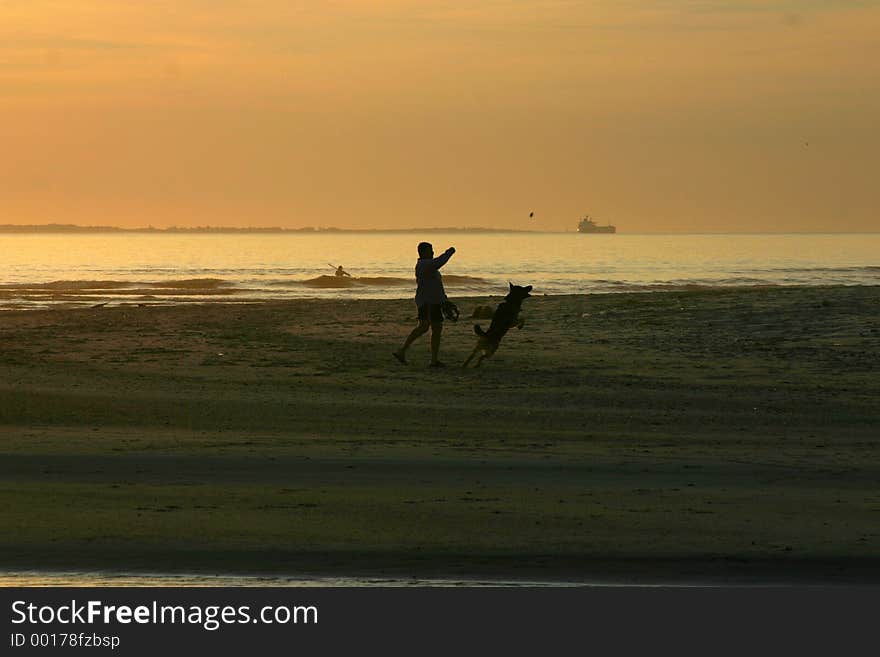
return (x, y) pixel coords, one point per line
(626, 286)
(254, 286)
(827, 270)
(85, 292)
(342, 282)
(346, 282)
(101, 286)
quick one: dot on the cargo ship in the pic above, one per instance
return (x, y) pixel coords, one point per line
(588, 225)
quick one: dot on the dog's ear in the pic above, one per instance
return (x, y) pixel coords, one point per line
(528, 288)
(511, 285)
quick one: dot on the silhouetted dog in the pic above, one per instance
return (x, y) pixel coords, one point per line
(505, 318)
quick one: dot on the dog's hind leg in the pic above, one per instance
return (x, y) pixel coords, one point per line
(471, 357)
(480, 360)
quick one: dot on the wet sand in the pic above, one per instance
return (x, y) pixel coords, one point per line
(723, 435)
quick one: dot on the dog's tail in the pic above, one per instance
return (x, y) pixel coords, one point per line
(478, 330)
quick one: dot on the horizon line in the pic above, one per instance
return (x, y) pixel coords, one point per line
(75, 228)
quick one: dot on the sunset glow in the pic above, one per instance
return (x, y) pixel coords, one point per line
(666, 116)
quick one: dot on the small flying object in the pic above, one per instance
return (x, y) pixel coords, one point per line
(531, 215)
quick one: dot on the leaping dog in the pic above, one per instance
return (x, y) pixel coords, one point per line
(505, 318)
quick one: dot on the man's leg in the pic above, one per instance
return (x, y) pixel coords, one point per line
(419, 330)
(436, 334)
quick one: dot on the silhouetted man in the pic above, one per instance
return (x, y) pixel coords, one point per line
(430, 296)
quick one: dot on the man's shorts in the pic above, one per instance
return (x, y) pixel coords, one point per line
(431, 311)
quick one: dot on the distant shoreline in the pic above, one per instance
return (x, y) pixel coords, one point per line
(177, 230)
(72, 229)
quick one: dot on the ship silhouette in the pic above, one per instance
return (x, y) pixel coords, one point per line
(588, 225)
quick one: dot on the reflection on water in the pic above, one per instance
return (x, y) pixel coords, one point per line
(51, 270)
(38, 578)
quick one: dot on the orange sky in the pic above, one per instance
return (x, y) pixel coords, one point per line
(671, 115)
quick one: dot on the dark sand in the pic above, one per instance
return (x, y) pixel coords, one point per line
(669, 437)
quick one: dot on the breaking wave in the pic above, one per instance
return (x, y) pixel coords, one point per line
(671, 286)
(83, 292)
(346, 282)
(246, 286)
(102, 286)
(869, 269)
(342, 282)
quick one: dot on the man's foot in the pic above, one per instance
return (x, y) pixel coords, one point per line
(400, 356)
(437, 363)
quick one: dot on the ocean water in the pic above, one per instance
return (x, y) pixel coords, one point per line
(46, 270)
(96, 578)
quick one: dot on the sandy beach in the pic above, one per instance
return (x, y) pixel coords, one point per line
(709, 435)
